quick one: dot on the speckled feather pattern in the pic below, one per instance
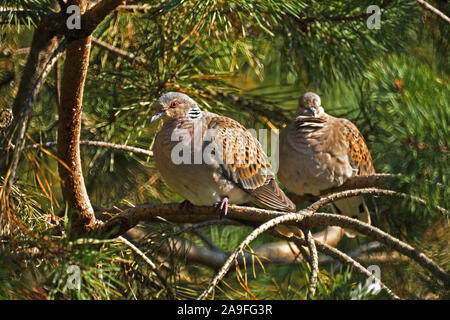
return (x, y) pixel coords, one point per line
(245, 174)
(322, 152)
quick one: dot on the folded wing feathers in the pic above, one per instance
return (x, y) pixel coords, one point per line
(247, 165)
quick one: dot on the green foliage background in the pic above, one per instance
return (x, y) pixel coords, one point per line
(249, 60)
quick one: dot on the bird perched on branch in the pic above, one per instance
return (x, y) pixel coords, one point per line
(319, 152)
(212, 160)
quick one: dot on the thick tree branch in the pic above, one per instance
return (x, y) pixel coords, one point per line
(305, 218)
(73, 188)
(34, 74)
(269, 253)
(130, 217)
(298, 217)
(81, 213)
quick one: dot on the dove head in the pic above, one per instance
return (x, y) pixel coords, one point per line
(174, 105)
(309, 104)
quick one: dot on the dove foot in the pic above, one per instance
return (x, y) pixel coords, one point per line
(223, 207)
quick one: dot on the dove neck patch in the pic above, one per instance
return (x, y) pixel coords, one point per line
(194, 113)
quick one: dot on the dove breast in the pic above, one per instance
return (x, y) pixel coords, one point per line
(310, 158)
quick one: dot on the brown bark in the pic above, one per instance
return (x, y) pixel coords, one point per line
(43, 45)
(41, 51)
(81, 213)
(69, 127)
(38, 64)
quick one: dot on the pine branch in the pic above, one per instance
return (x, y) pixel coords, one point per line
(98, 144)
(23, 105)
(345, 259)
(150, 263)
(18, 16)
(356, 17)
(136, 8)
(432, 9)
(306, 218)
(370, 191)
(314, 262)
(268, 225)
(366, 248)
(74, 192)
(120, 53)
(355, 182)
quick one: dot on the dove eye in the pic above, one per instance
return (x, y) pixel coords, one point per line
(174, 104)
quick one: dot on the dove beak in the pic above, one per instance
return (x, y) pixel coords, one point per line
(157, 116)
(313, 111)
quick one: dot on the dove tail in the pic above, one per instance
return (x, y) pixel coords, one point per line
(271, 196)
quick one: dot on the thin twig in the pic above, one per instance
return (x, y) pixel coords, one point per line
(150, 263)
(100, 144)
(173, 212)
(22, 127)
(340, 256)
(366, 248)
(369, 191)
(355, 182)
(264, 227)
(429, 7)
(135, 8)
(314, 262)
(120, 52)
(325, 219)
(253, 235)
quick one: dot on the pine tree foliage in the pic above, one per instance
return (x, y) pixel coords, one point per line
(249, 60)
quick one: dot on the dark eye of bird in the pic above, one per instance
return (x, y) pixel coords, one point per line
(174, 104)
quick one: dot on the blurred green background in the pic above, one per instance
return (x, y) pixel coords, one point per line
(248, 60)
